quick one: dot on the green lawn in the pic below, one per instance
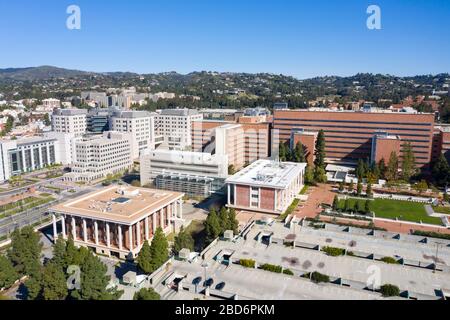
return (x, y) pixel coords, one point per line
(403, 210)
(440, 209)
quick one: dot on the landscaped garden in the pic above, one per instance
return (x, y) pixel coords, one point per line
(392, 209)
(441, 209)
(23, 205)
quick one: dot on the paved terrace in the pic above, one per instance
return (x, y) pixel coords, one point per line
(421, 282)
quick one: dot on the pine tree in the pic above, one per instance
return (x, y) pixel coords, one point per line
(146, 294)
(441, 171)
(223, 220)
(144, 259)
(341, 186)
(360, 170)
(359, 188)
(54, 286)
(212, 226)
(33, 287)
(159, 249)
(369, 191)
(320, 150)
(8, 274)
(282, 152)
(94, 281)
(335, 203)
(309, 176)
(320, 175)
(60, 253)
(382, 168)
(409, 163)
(183, 240)
(392, 167)
(233, 224)
(299, 153)
(367, 207)
(351, 187)
(25, 252)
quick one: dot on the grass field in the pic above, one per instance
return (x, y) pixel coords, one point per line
(403, 210)
(439, 209)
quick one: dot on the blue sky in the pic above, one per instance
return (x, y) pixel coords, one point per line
(294, 37)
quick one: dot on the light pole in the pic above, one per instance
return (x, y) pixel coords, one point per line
(205, 266)
(436, 257)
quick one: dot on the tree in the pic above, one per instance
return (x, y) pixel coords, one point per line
(233, 223)
(159, 249)
(299, 153)
(409, 163)
(223, 219)
(351, 187)
(359, 188)
(231, 170)
(144, 259)
(382, 168)
(320, 150)
(320, 175)
(367, 207)
(25, 252)
(369, 191)
(282, 152)
(392, 167)
(183, 240)
(341, 186)
(47, 121)
(94, 281)
(34, 288)
(335, 203)
(54, 285)
(8, 274)
(309, 176)
(422, 186)
(146, 294)
(60, 253)
(441, 171)
(361, 170)
(212, 226)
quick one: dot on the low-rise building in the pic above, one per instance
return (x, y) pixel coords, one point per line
(266, 186)
(116, 221)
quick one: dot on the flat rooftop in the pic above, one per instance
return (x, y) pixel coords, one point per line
(118, 204)
(268, 173)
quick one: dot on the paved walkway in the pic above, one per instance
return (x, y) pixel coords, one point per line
(316, 195)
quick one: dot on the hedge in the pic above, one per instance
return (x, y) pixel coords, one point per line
(389, 290)
(248, 263)
(288, 272)
(317, 277)
(334, 252)
(389, 260)
(431, 234)
(272, 268)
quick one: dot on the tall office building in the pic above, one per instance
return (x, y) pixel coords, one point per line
(69, 121)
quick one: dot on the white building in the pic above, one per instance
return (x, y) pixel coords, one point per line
(175, 125)
(193, 173)
(266, 186)
(26, 155)
(97, 156)
(50, 104)
(69, 121)
(65, 145)
(140, 124)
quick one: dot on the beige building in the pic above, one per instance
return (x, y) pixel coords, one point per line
(72, 121)
(116, 221)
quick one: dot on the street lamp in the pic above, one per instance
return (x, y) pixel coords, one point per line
(205, 266)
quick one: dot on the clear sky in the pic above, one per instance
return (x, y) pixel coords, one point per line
(294, 37)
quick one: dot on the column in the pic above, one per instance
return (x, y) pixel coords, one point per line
(84, 230)
(48, 153)
(175, 209)
(40, 158)
(24, 163)
(55, 229)
(96, 232)
(154, 222)
(130, 230)
(108, 236)
(74, 229)
(180, 213)
(119, 230)
(147, 235)
(63, 225)
(229, 194)
(32, 159)
(161, 218)
(138, 233)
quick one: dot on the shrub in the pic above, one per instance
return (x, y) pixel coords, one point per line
(288, 272)
(334, 252)
(318, 277)
(272, 268)
(431, 234)
(389, 290)
(389, 260)
(248, 263)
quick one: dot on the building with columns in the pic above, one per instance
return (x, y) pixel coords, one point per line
(266, 186)
(116, 221)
